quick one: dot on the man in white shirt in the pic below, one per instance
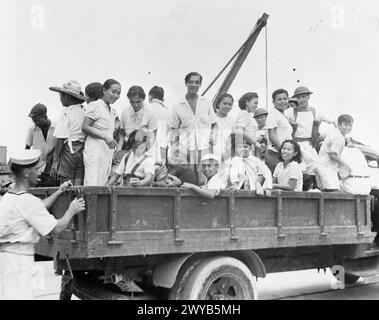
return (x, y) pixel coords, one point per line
(41, 137)
(278, 126)
(194, 122)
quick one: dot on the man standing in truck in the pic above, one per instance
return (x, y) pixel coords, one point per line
(23, 218)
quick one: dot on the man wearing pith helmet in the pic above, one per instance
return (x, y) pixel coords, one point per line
(23, 218)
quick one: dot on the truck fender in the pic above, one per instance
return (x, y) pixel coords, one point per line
(252, 261)
(165, 274)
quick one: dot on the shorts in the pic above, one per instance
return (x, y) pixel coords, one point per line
(71, 165)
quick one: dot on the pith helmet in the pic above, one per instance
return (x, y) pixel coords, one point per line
(301, 90)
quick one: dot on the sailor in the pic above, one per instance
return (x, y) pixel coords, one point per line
(23, 218)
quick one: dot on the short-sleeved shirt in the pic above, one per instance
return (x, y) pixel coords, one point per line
(246, 121)
(216, 183)
(36, 140)
(70, 123)
(292, 171)
(131, 120)
(102, 115)
(334, 143)
(23, 217)
(194, 127)
(277, 120)
(146, 166)
(163, 116)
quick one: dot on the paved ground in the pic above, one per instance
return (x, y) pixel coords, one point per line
(299, 285)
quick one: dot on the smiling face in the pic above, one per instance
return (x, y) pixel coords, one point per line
(288, 151)
(281, 101)
(193, 84)
(136, 102)
(243, 150)
(252, 105)
(112, 94)
(345, 127)
(210, 168)
(225, 106)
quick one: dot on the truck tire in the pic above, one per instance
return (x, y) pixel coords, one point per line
(217, 278)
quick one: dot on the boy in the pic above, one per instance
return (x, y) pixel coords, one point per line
(214, 181)
(330, 155)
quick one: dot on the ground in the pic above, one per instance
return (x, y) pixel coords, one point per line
(299, 285)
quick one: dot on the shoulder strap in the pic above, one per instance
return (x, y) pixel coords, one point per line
(127, 158)
(295, 113)
(138, 164)
(314, 113)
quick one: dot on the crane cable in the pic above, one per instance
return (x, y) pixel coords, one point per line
(266, 58)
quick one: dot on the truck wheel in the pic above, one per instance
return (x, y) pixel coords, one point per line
(218, 278)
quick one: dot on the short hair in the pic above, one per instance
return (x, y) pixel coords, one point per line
(132, 139)
(238, 138)
(16, 169)
(109, 83)
(191, 74)
(345, 118)
(221, 97)
(246, 98)
(296, 146)
(278, 92)
(136, 91)
(157, 93)
(94, 90)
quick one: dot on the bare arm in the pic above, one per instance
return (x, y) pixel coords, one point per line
(204, 192)
(95, 133)
(49, 201)
(272, 135)
(145, 182)
(290, 187)
(121, 140)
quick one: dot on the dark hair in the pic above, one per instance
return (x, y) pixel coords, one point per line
(221, 97)
(345, 118)
(246, 98)
(191, 74)
(132, 139)
(94, 90)
(238, 138)
(296, 147)
(136, 91)
(157, 93)
(15, 169)
(278, 92)
(109, 83)
(71, 99)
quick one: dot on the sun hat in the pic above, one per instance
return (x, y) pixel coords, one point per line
(25, 158)
(38, 110)
(301, 90)
(260, 111)
(72, 88)
(210, 156)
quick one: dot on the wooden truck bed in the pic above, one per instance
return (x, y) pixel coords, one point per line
(121, 221)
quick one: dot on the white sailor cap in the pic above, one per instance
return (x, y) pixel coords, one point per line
(210, 156)
(25, 158)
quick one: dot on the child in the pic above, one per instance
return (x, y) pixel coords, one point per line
(247, 170)
(224, 121)
(214, 183)
(288, 173)
(136, 168)
(330, 155)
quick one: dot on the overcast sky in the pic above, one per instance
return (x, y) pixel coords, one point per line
(330, 46)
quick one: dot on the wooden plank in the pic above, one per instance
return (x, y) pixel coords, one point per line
(357, 217)
(177, 212)
(232, 204)
(91, 213)
(113, 220)
(321, 211)
(279, 217)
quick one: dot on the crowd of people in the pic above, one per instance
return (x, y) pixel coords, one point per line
(195, 144)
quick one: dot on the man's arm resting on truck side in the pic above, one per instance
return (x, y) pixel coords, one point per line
(274, 138)
(204, 192)
(290, 187)
(49, 201)
(76, 206)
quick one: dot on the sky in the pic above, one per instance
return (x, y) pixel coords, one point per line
(330, 46)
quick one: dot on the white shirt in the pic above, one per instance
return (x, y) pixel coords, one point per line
(292, 171)
(23, 218)
(194, 128)
(217, 182)
(334, 143)
(70, 123)
(277, 120)
(246, 121)
(147, 165)
(104, 117)
(225, 128)
(36, 140)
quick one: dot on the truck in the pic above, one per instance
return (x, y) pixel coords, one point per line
(169, 243)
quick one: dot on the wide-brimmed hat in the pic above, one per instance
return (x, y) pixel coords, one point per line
(301, 90)
(260, 111)
(72, 88)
